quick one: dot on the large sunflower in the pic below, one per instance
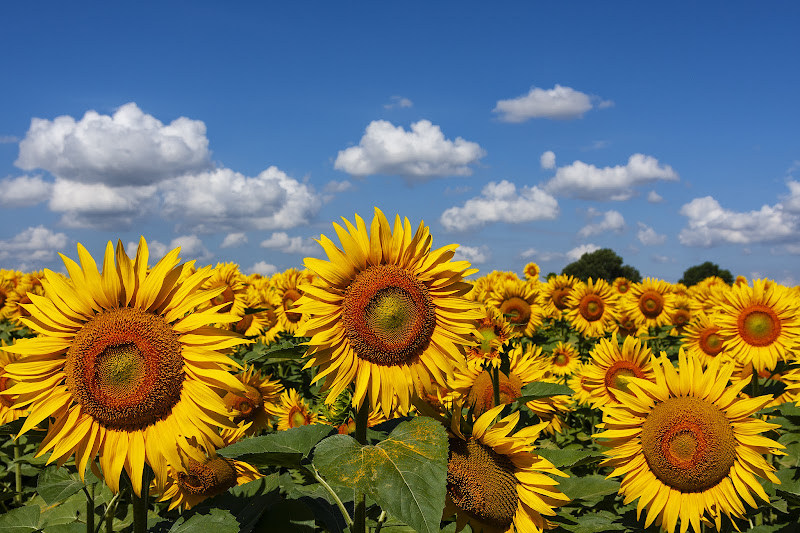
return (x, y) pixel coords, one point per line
(687, 445)
(518, 302)
(703, 339)
(592, 308)
(495, 480)
(612, 367)
(389, 311)
(761, 323)
(123, 365)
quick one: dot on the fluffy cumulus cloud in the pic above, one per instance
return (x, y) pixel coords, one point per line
(24, 191)
(129, 147)
(263, 268)
(548, 160)
(709, 224)
(96, 205)
(291, 245)
(473, 254)
(501, 202)
(654, 198)
(609, 221)
(233, 240)
(588, 182)
(33, 245)
(578, 251)
(648, 236)
(224, 200)
(559, 103)
(419, 154)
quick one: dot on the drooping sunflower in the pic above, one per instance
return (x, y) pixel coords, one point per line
(649, 303)
(687, 446)
(518, 302)
(124, 364)
(702, 339)
(532, 272)
(761, 323)
(496, 482)
(293, 411)
(564, 360)
(493, 331)
(592, 308)
(553, 295)
(256, 407)
(388, 311)
(612, 367)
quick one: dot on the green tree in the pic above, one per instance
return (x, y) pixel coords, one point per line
(601, 264)
(698, 273)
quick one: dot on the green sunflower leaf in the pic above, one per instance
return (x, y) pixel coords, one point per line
(569, 458)
(405, 474)
(218, 520)
(589, 489)
(283, 448)
(537, 390)
(20, 520)
(57, 484)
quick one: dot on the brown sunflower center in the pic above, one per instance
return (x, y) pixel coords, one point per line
(681, 317)
(289, 298)
(210, 478)
(559, 297)
(245, 405)
(688, 443)
(651, 303)
(617, 376)
(759, 325)
(227, 296)
(5, 384)
(517, 310)
(623, 287)
(591, 307)
(481, 482)
(561, 359)
(481, 394)
(711, 341)
(125, 368)
(388, 315)
(298, 416)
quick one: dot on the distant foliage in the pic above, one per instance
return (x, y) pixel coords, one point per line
(698, 273)
(601, 264)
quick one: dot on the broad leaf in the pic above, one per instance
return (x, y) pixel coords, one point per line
(283, 448)
(20, 520)
(590, 489)
(57, 484)
(405, 474)
(570, 457)
(218, 521)
(537, 390)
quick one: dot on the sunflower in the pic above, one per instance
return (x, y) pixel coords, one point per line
(649, 303)
(702, 339)
(227, 277)
(14, 309)
(784, 386)
(592, 308)
(123, 365)
(203, 478)
(622, 285)
(708, 293)
(687, 446)
(760, 323)
(626, 325)
(6, 288)
(682, 314)
(389, 311)
(582, 393)
(256, 407)
(495, 480)
(612, 367)
(517, 301)
(492, 333)
(284, 299)
(7, 411)
(532, 272)
(259, 315)
(565, 359)
(293, 411)
(553, 295)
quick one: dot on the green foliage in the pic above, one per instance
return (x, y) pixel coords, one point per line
(601, 264)
(698, 273)
(285, 448)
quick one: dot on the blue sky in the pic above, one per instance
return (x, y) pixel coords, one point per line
(523, 131)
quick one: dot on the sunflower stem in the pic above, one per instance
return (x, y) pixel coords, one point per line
(360, 518)
(381, 520)
(89, 508)
(339, 504)
(754, 383)
(140, 503)
(17, 473)
(496, 385)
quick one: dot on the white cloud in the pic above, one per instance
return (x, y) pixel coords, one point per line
(791, 202)
(710, 224)
(233, 240)
(335, 187)
(663, 259)
(417, 155)
(263, 268)
(648, 236)
(398, 101)
(473, 254)
(8, 139)
(548, 160)
(129, 147)
(24, 191)
(96, 205)
(588, 182)
(224, 200)
(32, 245)
(578, 251)
(654, 198)
(610, 221)
(192, 247)
(291, 245)
(501, 202)
(559, 103)
(542, 257)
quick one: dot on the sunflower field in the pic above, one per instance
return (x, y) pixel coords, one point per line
(391, 388)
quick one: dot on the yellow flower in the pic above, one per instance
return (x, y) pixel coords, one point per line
(532, 272)
(284, 299)
(255, 407)
(7, 411)
(293, 411)
(612, 367)
(592, 308)
(649, 303)
(388, 313)
(687, 446)
(702, 339)
(565, 359)
(492, 333)
(123, 364)
(517, 301)
(553, 296)
(495, 480)
(232, 298)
